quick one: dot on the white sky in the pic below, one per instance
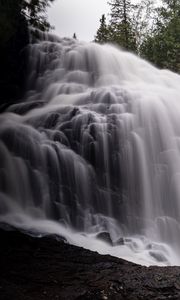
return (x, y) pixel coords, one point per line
(79, 16)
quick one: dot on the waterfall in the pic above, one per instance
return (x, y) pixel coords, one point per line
(94, 149)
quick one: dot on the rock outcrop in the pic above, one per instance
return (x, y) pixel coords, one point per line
(44, 268)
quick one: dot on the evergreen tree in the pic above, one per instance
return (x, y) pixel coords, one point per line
(153, 32)
(162, 47)
(35, 12)
(102, 35)
(15, 16)
(121, 27)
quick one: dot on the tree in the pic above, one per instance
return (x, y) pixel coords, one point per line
(121, 27)
(74, 36)
(162, 47)
(102, 35)
(35, 13)
(143, 20)
(15, 16)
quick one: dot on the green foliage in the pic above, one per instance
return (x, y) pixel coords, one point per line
(150, 31)
(162, 46)
(15, 16)
(143, 15)
(35, 13)
(121, 27)
(102, 35)
(9, 14)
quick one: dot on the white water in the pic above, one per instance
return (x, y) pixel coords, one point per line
(95, 148)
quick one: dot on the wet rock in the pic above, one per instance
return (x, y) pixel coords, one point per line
(119, 242)
(44, 268)
(160, 257)
(6, 227)
(56, 237)
(105, 236)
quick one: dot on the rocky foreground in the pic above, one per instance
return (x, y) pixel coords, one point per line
(35, 269)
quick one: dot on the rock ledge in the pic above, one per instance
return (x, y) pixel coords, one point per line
(44, 268)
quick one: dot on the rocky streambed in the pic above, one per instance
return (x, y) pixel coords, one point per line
(44, 268)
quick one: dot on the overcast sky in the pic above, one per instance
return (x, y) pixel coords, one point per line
(79, 16)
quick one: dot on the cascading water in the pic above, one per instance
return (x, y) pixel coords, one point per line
(95, 148)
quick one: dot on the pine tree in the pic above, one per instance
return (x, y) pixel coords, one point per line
(121, 27)
(102, 34)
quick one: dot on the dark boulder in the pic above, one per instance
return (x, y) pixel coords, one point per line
(119, 242)
(105, 236)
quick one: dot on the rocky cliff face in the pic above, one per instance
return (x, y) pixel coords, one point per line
(46, 268)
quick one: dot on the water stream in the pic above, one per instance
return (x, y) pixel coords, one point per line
(95, 148)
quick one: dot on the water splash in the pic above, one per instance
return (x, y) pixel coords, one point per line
(95, 147)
